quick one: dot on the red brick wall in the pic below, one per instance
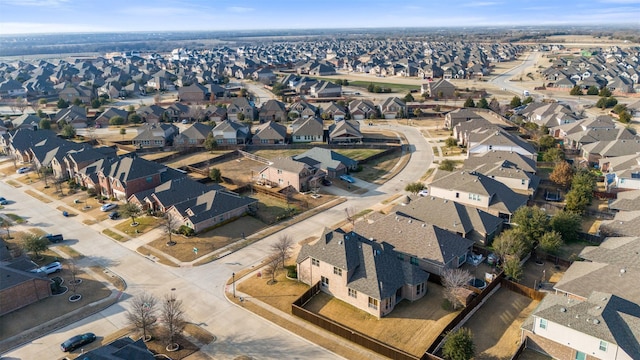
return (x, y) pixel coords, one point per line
(24, 294)
(551, 348)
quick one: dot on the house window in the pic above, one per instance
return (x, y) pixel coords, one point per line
(337, 271)
(414, 260)
(522, 182)
(315, 262)
(149, 179)
(475, 197)
(373, 303)
(490, 147)
(543, 323)
(419, 289)
(279, 171)
(457, 195)
(461, 259)
(400, 257)
(580, 355)
(353, 293)
(325, 281)
(603, 345)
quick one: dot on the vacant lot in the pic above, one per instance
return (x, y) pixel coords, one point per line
(411, 327)
(194, 158)
(496, 325)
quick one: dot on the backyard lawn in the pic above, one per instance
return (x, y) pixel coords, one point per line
(411, 327)
(496, 325)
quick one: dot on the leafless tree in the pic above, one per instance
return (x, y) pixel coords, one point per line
(73, 269)
(196, 113)
(351, 215)
(172, 317)
(272, 264)
(21, 104)
(34, 104)
(169, 222)
(453, 280)
(283, 247)
(143, 313)
(6, 224)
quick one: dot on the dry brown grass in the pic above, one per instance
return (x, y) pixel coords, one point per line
(503, 313)
(155, 255)
(38, 196)
(279, 295)
(532, 273)
(53, 307)
(411, 327)
(194, 158)
(145, 224)
(209, 241)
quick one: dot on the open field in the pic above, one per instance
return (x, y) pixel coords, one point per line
(194, 158)
(496, 325)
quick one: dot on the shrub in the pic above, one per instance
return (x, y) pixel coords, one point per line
(292, 271)
(186, 231)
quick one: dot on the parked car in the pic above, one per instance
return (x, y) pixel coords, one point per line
(114, 215)
(347, 178)
(77, 341)
(54, 238)
(326, 182)
(423, 192)
(108, 206)
(3, 201)
(23, 170)
(54, 267)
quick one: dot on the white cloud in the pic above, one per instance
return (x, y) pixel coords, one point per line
(240, 9)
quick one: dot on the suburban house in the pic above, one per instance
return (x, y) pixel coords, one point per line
(393, 107)
(179, 111)
(75, 160)
(626, 201)
(121, 177)
(71, 93)
(103, 120)
(171, 192)
(272, 110)
(508, 173)
(477, 190)
(151, 114)
(582, 125)
(210, 209)
(499, 140)
(345, 131)
(229, 132)
(463, 130)
(335, 111)
(11, 88)
(428, 246)
(307, 130)
(216, 113)
(284, 172)
(466, 221)
(509, 159)
(154, 135)
(302, 109)
(20, 142)
(363, 273)
(194, 135)
(270, 132)
(26, 121)
(325, 89)
(603, 326)
(458, 116)
(50, 153)
(74, 115)
(361, 109)
(328, 161)
(594, 152)
(440, 89)
(241, 105)
(194, 93)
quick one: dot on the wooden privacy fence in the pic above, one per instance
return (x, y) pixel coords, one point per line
(348, 333)
(469, 308)
(522, 290)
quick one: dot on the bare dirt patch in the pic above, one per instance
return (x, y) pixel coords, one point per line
(496, 325)
(194, 158)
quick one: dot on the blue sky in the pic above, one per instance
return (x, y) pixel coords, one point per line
(56, 16)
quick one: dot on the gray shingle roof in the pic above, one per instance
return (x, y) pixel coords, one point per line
(626, 201)
(325, 159)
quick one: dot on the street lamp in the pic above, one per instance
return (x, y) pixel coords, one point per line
(233, 276)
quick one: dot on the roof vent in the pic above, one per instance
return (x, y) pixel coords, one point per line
(622, 271)
(562, 309)
(596, 321)
(339, 242)
(409, 221)
(598, 307)
(424, 225)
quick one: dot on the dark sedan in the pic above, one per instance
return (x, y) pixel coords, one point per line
(77, 341)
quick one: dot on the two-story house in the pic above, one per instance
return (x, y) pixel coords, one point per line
(363, 273)
(284, 172)
(306, 130)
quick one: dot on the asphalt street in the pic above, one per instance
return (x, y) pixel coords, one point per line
(200, 288)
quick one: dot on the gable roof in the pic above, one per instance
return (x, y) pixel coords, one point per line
(271, 130)
(416, 238)
(322, 158)
(211, 204)
(626, 201)
(372, 268)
